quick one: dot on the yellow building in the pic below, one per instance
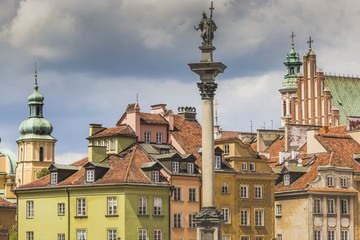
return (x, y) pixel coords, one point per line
(244, 191)
(35, 145)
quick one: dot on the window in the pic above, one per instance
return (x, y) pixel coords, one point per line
(29, 209)
(111, 205)
(61, 209)
(101, 142)
(330, 181)
(177, 194)
(53, 178)
(331, 206)
(157, 206)
(226, 238)
(191, 221)
(343, 182)
(113, 144)
(344, 235)
(177, 220)
(190, 168)
(317, 235)
(157, 234)
(225, 188)
(259, 238)
(244, 218)
(331, 235)
(252, 167)
(279, 236)
(286, 180)
(142, 206)
(81, 207)
(244, 238)
(112, 235)
(258, 192)
(217, 162)
(95, 143)
(175, 167)
(226, 149)
(147, 137)
(90, 176)
(81, 235)
(244, 167)
(317, 206)
(107, 145)
(142, 234)
(192, 195)
(244, 191)
(41, 157)
(226, 214)
(29, 235)
(155, 176)
(278, 210)
(159, 138)
(259, 218)
(61, 236)
(344, 206)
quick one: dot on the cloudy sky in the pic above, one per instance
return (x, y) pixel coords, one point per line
(95, 56)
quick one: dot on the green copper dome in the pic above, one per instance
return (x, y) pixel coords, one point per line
(36, 126)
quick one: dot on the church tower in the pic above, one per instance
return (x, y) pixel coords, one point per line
(288, 89)
(35, 145)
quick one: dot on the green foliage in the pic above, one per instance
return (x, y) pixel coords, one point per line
(13, 233)
(43, 172)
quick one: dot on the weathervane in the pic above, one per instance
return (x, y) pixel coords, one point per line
(292, 36)
(207, 27)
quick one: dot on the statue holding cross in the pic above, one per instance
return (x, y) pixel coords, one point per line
(207, 27)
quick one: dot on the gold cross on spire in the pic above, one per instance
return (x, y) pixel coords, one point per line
(292, 36)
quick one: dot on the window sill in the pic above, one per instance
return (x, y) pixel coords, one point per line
(331, 215)
(278, 216)
(112, 215)
(262, 226)
(225, 193)
(143, 215)
(178, 201)
(345, 215)
(80, 217)
(179, 228)
(61, 215)
(158, 215)
(29, 217)
(318, 214)
(193, 201)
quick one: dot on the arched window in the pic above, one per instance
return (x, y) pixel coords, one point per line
(292, 70)
(37, 111)
(41, 154)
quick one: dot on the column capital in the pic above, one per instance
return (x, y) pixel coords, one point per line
(208, 217)
(207, 89)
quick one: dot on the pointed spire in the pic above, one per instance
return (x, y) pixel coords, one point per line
(36, 87)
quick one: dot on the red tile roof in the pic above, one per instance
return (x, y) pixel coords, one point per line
(152, 118)
(254, 146)
(121, 130)
(229, 134)
(6, 204)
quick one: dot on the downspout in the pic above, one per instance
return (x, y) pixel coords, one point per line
(17, 215)
(68, 207)
(171, 193)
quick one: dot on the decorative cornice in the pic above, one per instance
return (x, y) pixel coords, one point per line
(207, 89)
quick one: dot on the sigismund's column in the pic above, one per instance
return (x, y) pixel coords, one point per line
(208, 220)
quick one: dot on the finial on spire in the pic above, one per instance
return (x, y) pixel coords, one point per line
(137, 97)
(36, 85)
(292, 36)
(309, 42)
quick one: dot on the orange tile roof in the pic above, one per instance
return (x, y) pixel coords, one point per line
(152, 118)
(229, 134)
(254, 146)
(274, 149)
(337, 129)
(332, 190)
(121, 130)
(6, 204)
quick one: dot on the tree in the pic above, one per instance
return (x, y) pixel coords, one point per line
(43, 172)
(13, 233)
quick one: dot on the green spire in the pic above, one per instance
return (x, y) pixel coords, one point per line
(292, 65)
(36, 126)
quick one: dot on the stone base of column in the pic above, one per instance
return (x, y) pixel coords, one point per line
(208, 224)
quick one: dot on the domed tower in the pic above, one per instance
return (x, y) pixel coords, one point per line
(288, 89)
(35, 145)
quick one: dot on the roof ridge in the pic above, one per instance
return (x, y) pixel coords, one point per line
(130, 162)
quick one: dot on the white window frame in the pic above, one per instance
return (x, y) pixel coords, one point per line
(107, 144)
(155, 176)
(278, 236)
(190, 167)
(112, 206)
(177, 220)
(61, 209)
(226, 149)
(191, 221)
(142, 206)
(101, 143)
(317, 235)
(112, 234)
(175, 167)
(143, 234)
(259, 217)
(244, 167)
(330, 181)
(192, 194)
(252, 167)
(81, 207)
(225, 188)
(331, 206)
(113, 144)
(177, 194)
(331, 235)
(344, 235)
(344, 182)
(157, 234)
(29, 235)
(244, 191)
(344, 204)
(30, 209)
(147, 137)
(159, 138)
(317, 206)
(81, 235)
(244, 217)
(286, 179)
(258, 192)
(226, 214)
(61, 236)
(53, 178)
(90, 175)
(217, 162)
(157, 206)
(278, 210)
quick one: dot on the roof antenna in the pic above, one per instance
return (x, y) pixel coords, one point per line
(137, 97)
(251, 126)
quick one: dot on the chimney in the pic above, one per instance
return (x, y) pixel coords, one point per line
(335, 116)
(158, 109)
(313, 145)
(170, 118)
(189, 113)
(133, 117)
(94, 128)
(96, 153)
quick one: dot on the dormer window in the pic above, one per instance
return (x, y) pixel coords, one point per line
(159, 138)
(190, 168)
(53, 178)
(226, 149)
(343, 182)
(90, 176)
(155, 176)
(164, 151)
(147, 137)
(101, 143)
(217, 162)
(175, 167)
(286, 180)
(113, 144)
(330, 181)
